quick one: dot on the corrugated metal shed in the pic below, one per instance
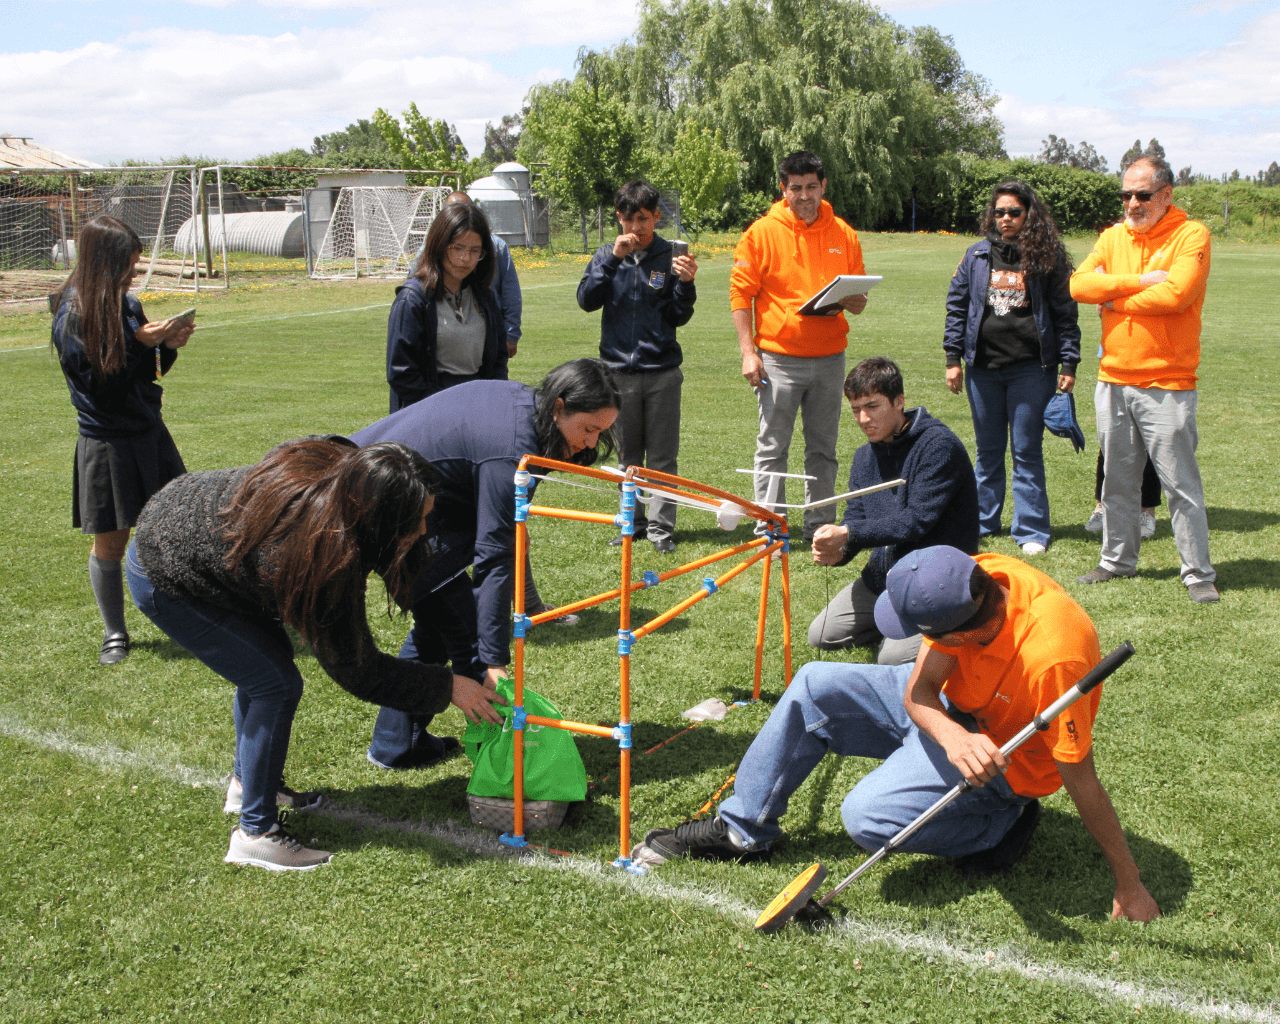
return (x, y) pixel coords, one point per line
(18, 152)
(269, 234)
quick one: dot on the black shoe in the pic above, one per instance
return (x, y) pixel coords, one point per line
(707, 840)
(664, 545)
(115, 648)
(638, 535)
(1006, 853)
(449, 745)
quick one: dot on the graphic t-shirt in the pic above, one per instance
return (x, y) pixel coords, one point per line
(1008, 333)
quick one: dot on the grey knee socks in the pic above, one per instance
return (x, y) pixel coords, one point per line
(108, 589)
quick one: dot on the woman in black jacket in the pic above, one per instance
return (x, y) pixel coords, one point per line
(445, 327)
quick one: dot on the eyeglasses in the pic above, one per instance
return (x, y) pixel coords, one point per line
(1142, 197)
(462, 252)
(1009, 211)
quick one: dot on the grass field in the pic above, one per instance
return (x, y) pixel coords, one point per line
(114, 902)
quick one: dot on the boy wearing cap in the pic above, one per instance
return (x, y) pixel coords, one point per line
(1002, 641)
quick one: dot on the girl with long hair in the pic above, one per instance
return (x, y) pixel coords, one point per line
(1012, 325)
(113, 360)
(445, 326)
(224, 559)
(475, 434)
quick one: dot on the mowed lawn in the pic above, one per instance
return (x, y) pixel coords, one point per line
(114, 901)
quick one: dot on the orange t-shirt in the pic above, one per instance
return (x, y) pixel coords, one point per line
(1046, 644)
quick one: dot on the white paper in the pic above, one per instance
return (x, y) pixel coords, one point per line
(826, 302)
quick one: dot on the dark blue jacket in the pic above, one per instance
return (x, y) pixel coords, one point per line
(411, 343)
(1052, 306)
(474, 434)
(643, 305)
(938, 505)
(128, 402)
(506, 289)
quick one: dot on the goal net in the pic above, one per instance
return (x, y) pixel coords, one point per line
(377, 231)
(42, 212)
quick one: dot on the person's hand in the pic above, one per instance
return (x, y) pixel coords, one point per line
(685, 266)
(1134, 904)
(828, 543)
(476, 701)
(977, 757)
(853, 304)
(955, 378)
(1153, 277)
(511, 349)
(753, 369)
(491, 676)
(1066, 382)
(625, 245)
(180, 337)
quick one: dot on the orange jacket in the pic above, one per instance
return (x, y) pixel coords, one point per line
(780, 262)
(1150, 336)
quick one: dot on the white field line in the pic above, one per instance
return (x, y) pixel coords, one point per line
(848, 933)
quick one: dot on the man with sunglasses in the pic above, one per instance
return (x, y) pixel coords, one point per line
(1002, 641)
(1148, 276)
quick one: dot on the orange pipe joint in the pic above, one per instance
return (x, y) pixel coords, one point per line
(517, 838)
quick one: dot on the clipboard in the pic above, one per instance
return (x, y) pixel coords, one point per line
(827, 301)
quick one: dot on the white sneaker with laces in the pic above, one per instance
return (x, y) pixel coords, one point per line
(1148, 520)
(1094, 525)
(274, 850)
(285, 797)
(1032, 547)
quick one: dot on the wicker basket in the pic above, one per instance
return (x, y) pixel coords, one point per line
(499, 814)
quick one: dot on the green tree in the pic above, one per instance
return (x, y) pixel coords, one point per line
(1273, 175)
(359, 144)
(701, 169)
(425, 143)
(501, 141)
(1061, 152)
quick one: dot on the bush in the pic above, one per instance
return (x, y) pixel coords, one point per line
(1248, 202)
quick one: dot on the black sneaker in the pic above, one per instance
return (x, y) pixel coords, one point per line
(706, 840)
(1006, 853)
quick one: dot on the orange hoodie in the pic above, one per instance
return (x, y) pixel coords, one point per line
(780, 262)
(1150, 336)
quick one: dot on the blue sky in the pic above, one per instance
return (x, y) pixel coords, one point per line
(109, 79)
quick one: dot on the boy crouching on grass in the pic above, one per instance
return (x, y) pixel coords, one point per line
(646, 292)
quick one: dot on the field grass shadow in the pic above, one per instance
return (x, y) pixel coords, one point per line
(1234, 574)
(597, 624)
(161, 647)
(1240, 520)
(1064, 876)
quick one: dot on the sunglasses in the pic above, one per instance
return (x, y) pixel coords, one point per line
(1009, 211)
(1142, 197)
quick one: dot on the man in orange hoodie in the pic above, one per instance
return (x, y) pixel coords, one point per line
(795, 363)
(1148, 275)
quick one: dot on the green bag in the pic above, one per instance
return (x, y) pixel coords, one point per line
(553, 768)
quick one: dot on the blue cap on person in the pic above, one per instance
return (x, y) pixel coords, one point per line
(927, 591)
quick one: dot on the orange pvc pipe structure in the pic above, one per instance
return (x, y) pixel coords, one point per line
(624, 688)
(764, 608)
(568, 726)
(689, 602)
(568, 513)
(786, 621)
(522, 553)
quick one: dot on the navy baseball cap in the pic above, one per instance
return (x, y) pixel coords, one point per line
(1060, 419)
(927, 591)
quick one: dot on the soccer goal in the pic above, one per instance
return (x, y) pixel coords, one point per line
(377, 231)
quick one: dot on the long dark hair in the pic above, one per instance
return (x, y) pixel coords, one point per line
(453, 220)
(331, 513)
(585, 385)
(98, 285)
(1038, 243)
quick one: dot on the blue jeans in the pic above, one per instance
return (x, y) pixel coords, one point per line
(1008, 405)
(256, 655)
(857, 711)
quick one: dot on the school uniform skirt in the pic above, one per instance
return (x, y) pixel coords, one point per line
(114, 477)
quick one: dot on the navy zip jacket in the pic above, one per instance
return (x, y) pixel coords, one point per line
(1052, 308)
(128, 402)
(474, 434)
(938, 505)
(643, 305)
(411, 343)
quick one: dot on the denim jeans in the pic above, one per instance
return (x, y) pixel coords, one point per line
(256, 655)
(857, 711)
(1008, 405)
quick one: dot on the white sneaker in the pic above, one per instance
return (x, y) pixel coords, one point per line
(1094, 525)
(1148, 520)
(273, 850)
(285, 797)
(1032, 547)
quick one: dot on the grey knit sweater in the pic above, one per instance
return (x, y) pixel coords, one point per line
(179, 545)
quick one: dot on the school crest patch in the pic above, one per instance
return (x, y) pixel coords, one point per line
(656, 278)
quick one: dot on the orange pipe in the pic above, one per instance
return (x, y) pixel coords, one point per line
(764, 608)
(786, 621)
(522, 553)
(568, 726)
(689, 602)
(568, 467)
(624, 698)
(759, 511)
(568, 513)
(714, 797)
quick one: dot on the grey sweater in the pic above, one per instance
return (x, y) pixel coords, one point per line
(179, 545)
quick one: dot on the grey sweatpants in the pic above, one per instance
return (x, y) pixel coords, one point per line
(648, 434)
(849, 621)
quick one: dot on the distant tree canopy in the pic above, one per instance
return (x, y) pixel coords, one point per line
(1137, 152)
(1061, 152)
(503, 139)
(426, 143)
(357, 145)
(878, 102)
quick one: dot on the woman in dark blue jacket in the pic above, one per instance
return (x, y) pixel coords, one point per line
(113, 360)
(1012, 323)
(445, 327)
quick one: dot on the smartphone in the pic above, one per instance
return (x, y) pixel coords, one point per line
(679, 247)
(187, 316)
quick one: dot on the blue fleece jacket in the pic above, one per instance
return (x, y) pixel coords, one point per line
(411, 343)
(643, 305)
(474, 434)
(128, 402)
(506, 289)
(938, 505)
(1052, 308)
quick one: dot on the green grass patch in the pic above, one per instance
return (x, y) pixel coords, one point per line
(114, 899)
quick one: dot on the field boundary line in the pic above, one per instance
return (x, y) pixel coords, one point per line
(850, 931)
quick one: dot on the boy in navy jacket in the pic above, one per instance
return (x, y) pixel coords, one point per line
(645, 293)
